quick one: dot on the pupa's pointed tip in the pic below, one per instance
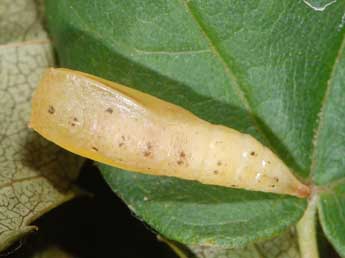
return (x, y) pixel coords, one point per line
(303, 191)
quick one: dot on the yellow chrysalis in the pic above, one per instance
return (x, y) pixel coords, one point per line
(125, 128)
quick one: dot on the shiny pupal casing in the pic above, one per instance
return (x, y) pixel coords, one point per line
(125, 128)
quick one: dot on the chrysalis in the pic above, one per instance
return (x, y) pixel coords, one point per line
(126, 128)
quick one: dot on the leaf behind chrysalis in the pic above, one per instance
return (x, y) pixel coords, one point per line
(35, 175)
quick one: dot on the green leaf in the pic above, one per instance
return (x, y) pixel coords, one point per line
(332, 216)
(200, 214)
(284, 246)
(35, 175)
(329, 159)
(273, 69)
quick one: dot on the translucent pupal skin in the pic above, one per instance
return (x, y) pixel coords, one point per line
(125, 128)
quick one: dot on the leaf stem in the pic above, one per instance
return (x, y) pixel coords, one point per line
(306, 230)
(180, 253)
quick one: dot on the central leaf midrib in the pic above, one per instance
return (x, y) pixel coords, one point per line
(228, 72)
(323, 104)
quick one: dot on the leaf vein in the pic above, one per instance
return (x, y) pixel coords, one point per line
(19, 180)
(25, 43)
(229, 73)
(323, 104)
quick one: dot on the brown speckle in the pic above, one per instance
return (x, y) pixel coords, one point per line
(147, 153)
(123, 138)
(74, 121)
(276, 179)
(94, 148)
(268, 162)
(219, 163)
(233, 185)
(273, 186)
(182, 158)
(109, 110)
(215, 172)
(253, 153)
(149, 146)
(51, 110)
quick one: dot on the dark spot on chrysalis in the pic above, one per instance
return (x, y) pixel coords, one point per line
(51, 110)
(121, 144)
(94, 148)
(182, 158)
(75, 121)
(123, 137)
(273, 186)
(233, 185)
(253, 153)
(215, 172)
(268, 162)
(219, 163)
(147, 153)
(109, 110)
(276, 179)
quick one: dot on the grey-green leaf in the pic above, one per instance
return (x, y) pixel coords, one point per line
(35, 175)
